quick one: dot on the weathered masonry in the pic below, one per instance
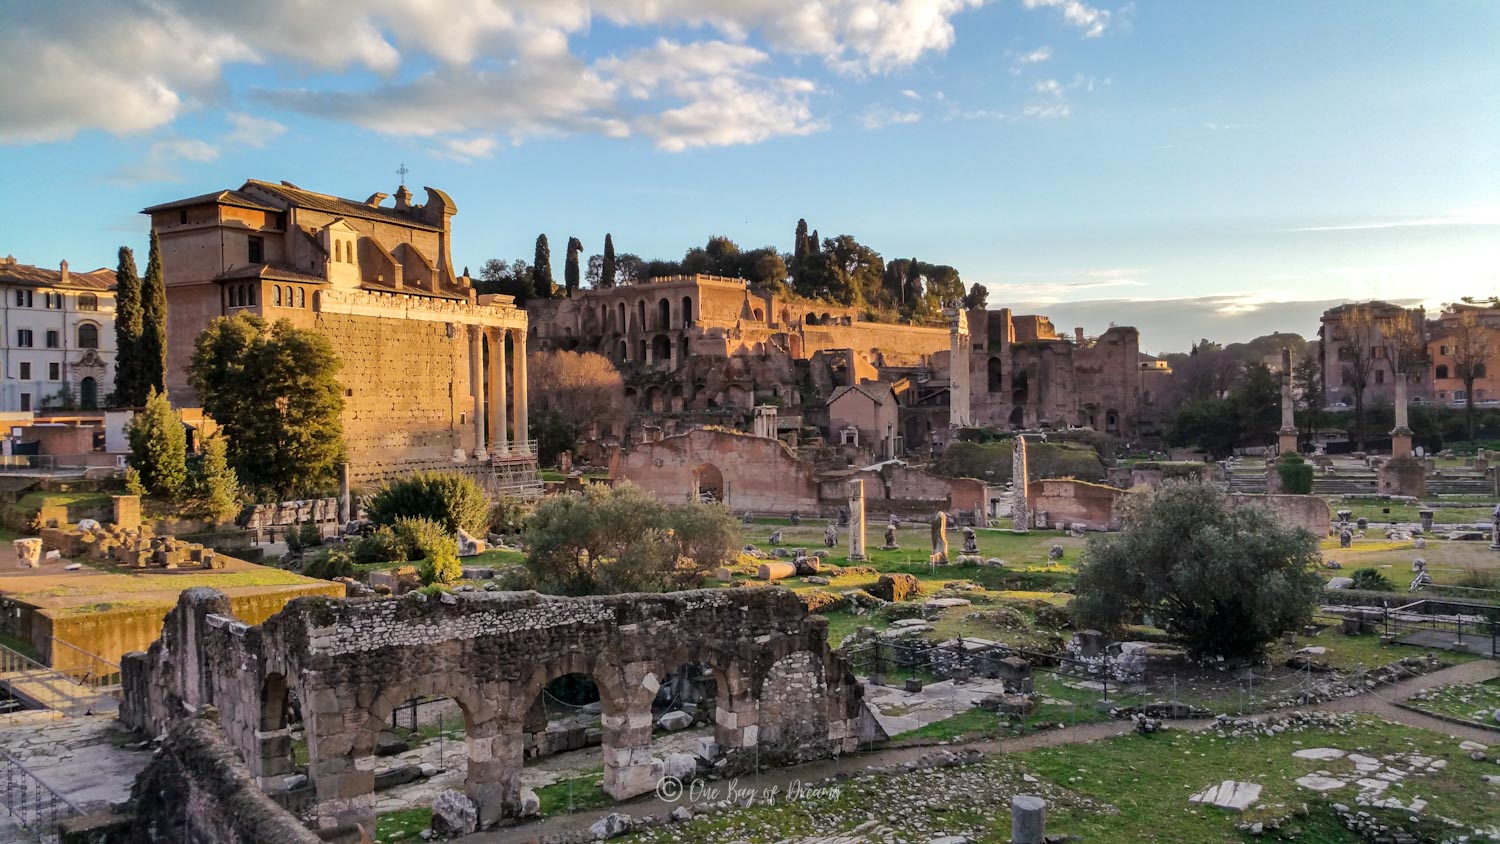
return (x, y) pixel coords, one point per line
(783, 693)
(434, 374)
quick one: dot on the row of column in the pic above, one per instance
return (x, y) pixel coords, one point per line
(492, 384)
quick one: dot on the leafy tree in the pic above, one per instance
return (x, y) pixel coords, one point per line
(1226, 580)
(621, 539)
(595, 272)
(607, 268)
(130, 390)
(1211, 424)
(570, 269)
(1208, 372)
(1469, 344)
(630, 269)
(447, 498)
(1257, 402)
(1307, 387)
(512, 279)
(541, 269)
(1372, 580)
(158, 447)
(978, 297)
(151, 355)
(275, 392)
(212, 485)
(768, 270)
(1361, 333)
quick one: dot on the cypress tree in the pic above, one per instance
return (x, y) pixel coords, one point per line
(570, 269)
(607, 272)
(128, 389)
(799, 249)
(541, 269)
(814, 245)
(158, 446)
(153, 346)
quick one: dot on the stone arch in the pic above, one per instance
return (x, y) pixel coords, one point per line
(792, 696)
(1112, 421)
(735, 703)
(641, 351)
(1017, 417)
(621, 327)
(687, 311)
(810, 319)
(760, 315)
(624, 351)
(995, 372)
(708, 481)
(640, 308)
(663, 314)
(661, 347)
(615, 704)
(655, 403)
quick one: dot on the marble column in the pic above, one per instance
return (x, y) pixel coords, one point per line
(518, 387)
(1287, 436)
(499, 438)
(1401, 434)
(476, 386)
(856, 520)
(1020, 509)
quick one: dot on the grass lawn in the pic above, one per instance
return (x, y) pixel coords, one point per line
(574, 795)
(1384, 512)
(403, 826)
(1469, 701)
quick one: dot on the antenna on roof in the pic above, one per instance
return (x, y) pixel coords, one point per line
(402, 171)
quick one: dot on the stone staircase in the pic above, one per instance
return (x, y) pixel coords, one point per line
(1345, 483)
(1247, 477)
(1460, 485)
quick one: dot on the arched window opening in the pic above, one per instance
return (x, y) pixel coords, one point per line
(88, 336)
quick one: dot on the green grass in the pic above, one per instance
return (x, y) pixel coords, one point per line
(1384, 512)
(574, 795)
(403, 826)
(19, 646)
(1475, 702)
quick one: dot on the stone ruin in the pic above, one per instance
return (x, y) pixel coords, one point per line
(136, 548)
(782, 694)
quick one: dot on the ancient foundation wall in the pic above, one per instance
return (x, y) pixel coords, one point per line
(1309, 512)
(1075, 502)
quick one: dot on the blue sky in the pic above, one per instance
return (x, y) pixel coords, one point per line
(1197, 169)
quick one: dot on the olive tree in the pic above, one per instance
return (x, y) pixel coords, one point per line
(1226, 580)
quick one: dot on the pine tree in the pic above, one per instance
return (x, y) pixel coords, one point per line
(607, 274)
(215, 487)
(541, 269)
(153, 347)
(570, 269)
(128, 389)
(158, 446)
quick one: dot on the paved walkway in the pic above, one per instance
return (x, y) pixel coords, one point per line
(1377, 702)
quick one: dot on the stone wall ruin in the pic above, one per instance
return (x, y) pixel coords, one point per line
(782, 693)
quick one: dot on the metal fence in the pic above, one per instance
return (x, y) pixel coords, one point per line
(33, 803)
(88, 669)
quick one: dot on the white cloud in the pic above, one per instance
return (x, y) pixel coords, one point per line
(1049, 86)
(184, 149)
(467, 149)
(248, 130)
(910, 94)
(1092, 20)
(1222, 127)
(877, 117)
(1047, 112)
(1036, 56)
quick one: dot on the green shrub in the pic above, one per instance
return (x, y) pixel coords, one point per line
(420, 538)
(442, 565)
(509, 515)
(453, 501)
(293, 539)
(382, 546)
(332, 563)
(1372, 580)
(308, 536)
(1296, 475)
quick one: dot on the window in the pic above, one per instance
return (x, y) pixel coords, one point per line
(23, 298)
(25, 401)
(1442, 350)
(349, 251)
(54, 372)
(276, 295)
(88, 302)
(54, 339)
(25, 370)
(23, 338)
(250, 291)
(1442, 370)
(54, 301)
(99, 439)
(88, 336)
(338, 251)
(256, 250)
(301, 297)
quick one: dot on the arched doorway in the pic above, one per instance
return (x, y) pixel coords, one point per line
(88, 393)
(663, 315)
(661, 347)
(995, 373)
(687, 311)
(708, 483)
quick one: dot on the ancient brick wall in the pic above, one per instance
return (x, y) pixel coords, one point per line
(1309, 512)
(1068, 502)
(351, 662)
(750, 473)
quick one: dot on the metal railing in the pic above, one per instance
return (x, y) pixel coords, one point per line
(97, 673)
(44, 685)
(32, 802)
(20, 463)
(513, 449)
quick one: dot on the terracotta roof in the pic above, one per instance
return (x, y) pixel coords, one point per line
(270, 272)
(878, 392)
(223, 197)
(338, 205)
(376, 287)
(26, 274)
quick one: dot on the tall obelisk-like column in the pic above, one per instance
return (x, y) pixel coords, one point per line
(856, 520)
(1020, 508)
(1401, 434)
(1287, 436)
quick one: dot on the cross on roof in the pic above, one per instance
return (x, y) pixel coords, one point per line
(402, 171)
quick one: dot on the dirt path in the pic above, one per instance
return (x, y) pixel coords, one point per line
(1378, 702)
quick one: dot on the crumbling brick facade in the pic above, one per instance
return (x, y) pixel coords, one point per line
(782, 692)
